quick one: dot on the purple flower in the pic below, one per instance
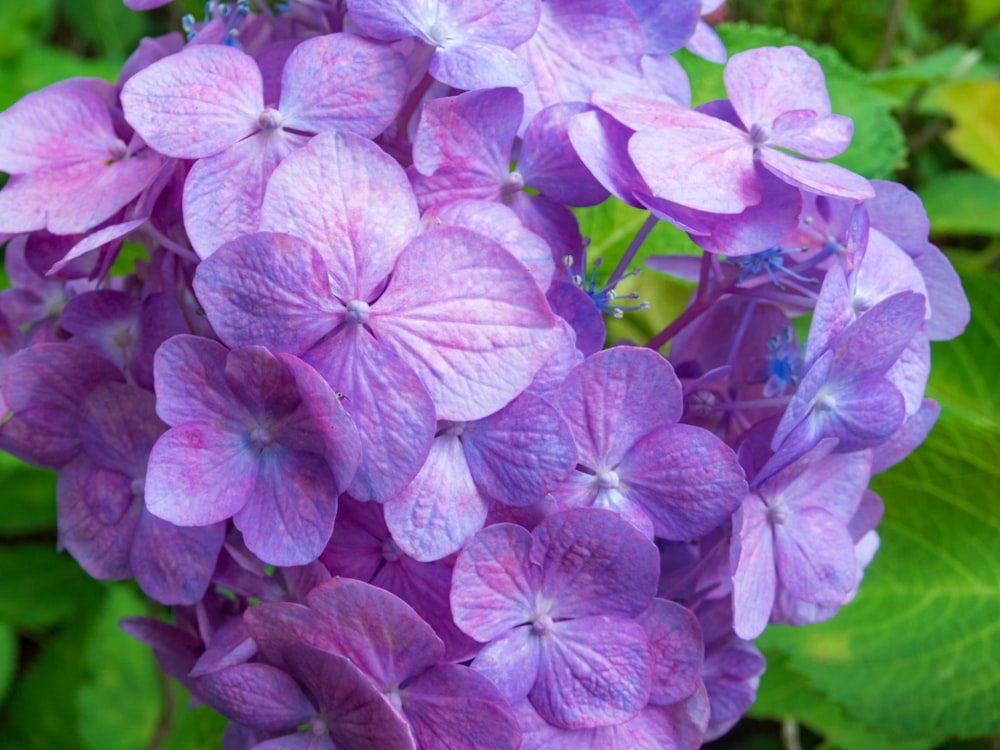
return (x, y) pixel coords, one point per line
(470, 41)
(254, 436)
(218, 91)
(792, 533)
(778, 99)
(510, 458)
(103, 521)
(406, 326)
(445, 705)
(673, 480)
(70, 170)
(557, 610)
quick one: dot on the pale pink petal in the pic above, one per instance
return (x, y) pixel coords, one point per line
(475, 329)
(223, 193)
(440, 509)
(213, 90)
(700, 162)
(493, 589)
(764, 83)
(821, 177)
(754, 579)
(349, 200)
(363, 97)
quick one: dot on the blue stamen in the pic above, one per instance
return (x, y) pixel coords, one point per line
(771, 262)
(784, 364)
(605, 296)
(231, 14)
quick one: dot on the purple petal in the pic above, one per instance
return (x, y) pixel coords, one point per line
(214, 90)
(190, 381)
(174, 565)
(592, 562)
(666, 26)
(268, 289)
(511, 662)
(381, 634)
(755, 229)
(707, 44)
(500, 223)
(356, 714)
(223, 194)
(817, 176)
(350, 201)
(231, 645)
(393, 19)
(602, 144)
(516, 455)
(390, 406)
(363, 97)
(594, 671)
(455, 707)
(549, 163)
(950, 312)
(907, 437)
(277, 627)
(675, 644)
(475, 64)
(754, 579)
(686, 479)
(278, 529)
(613, 398)
(256, 695)
(475, 329)
(464, 143)
(815, 557)
(199, 474)
(97, 519)
(492, 588)
(440, 509)
(580, 45)
(765, 83)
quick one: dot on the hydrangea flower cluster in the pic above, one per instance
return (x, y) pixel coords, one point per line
(355, 422)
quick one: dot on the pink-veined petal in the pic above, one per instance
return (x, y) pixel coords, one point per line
(213, 90)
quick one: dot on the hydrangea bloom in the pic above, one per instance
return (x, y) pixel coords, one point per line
(351, 416)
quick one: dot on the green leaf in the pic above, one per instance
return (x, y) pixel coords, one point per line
(783, 694)
(8, 658)
(29, 504)
(112, 29)
(121, 672)
(975, 108)
(40, 588)
(192, 729)
(878, 147)
(41, 713)
(962, 381)
(963, 203)
(41, 65)
(23, 25)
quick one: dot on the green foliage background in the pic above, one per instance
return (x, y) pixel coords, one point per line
(912, 664)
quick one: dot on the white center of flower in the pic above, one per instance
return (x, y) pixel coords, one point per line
(607, 480)
(269, 119)
(358, 311)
